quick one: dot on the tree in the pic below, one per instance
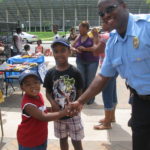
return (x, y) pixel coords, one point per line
(148, 1)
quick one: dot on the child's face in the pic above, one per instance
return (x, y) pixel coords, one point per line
(38, 42)
(31, 86)
(61, 54)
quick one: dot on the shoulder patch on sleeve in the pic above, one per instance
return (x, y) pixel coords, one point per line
(145, 17)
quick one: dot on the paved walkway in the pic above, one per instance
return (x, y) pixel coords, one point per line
(117, 138)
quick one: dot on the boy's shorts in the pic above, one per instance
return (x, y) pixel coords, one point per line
(69, 127)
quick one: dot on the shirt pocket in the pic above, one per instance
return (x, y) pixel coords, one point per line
(140, 62)
(118, 64)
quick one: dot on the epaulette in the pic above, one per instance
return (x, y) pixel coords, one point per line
(139, 17)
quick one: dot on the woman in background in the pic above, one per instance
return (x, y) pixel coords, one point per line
(86, 62)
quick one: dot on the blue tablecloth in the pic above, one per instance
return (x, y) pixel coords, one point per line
(18, 60)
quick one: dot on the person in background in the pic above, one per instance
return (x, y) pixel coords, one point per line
(32, 132)
(39, 48)
(127, 53)
(109, 93)
(26, 50)
(63, 85)
(56, 35)
(17, 42)
(72, 35)
(2, 47)
(86, 62)
(48, 52)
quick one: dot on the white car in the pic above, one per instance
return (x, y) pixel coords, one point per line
(29, 38)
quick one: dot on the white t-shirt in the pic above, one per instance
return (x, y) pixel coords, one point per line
(18, 40)
(56, 36)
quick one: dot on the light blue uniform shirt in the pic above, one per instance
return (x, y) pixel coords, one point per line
(131, 61)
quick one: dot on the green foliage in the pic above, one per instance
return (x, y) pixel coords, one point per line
(46, 36)
(148, 1)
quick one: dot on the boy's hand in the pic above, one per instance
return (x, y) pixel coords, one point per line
(74, 108)
(68, 111)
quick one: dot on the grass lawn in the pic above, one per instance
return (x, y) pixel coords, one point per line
(46, 36)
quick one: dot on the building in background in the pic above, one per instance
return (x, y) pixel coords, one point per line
(41, 15)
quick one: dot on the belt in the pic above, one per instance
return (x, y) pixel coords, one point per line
(133, 92)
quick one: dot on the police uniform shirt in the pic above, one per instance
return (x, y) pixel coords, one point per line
(130, 56)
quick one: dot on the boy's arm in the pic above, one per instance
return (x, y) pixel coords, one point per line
(42, 116)
(49, 109)
(55, 106)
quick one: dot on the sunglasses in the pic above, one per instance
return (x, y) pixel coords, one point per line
(109, 9)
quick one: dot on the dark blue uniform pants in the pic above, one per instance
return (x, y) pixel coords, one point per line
(140, 123)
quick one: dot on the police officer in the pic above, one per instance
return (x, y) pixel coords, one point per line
(128, 53)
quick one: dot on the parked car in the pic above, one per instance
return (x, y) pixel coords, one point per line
(29, 38)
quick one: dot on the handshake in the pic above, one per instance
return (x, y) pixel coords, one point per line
(72, 109)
